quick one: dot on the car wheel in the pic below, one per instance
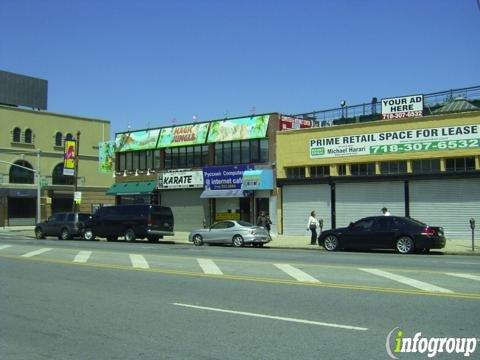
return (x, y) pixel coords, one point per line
(405, 245)
(152, 238)
(237, 241)
(88, 234)
(111, 238)
(331, 243)
(64, 234)
(198, 240)
(129, 235)
(39, 233)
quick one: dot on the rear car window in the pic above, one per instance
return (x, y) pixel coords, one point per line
(161, 210)
(83, 217)
(244, 223)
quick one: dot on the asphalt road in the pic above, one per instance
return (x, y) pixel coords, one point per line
(99, 300)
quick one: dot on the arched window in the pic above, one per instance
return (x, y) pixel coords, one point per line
(58, 139)
(16, 134)
(69, 136)
(18, 175)
(28, 136)
(58, 178)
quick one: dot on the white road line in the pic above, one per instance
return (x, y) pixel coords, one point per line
(465, 276)
(138, 261)
(5, 246)
(301, 321)
(209, 267)
(408, 281)
(82, 256)
(297, 274)
(36, 252)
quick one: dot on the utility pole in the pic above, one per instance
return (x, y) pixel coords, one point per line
(75, 179)
(39, 188)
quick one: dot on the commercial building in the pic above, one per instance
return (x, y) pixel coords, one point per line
(34, 139)
(416, 155)
(205, 171)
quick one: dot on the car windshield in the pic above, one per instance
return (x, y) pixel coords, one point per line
(244, 223)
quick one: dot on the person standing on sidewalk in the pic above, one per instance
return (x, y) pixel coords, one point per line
(312, 226)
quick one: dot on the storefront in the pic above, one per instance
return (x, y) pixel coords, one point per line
(427, 168)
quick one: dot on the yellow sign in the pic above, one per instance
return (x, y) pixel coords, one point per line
(69, 158)
(227, 216)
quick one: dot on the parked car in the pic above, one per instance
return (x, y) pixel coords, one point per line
(237, 233)
(65, 225)
(133, 222)
(384, 232)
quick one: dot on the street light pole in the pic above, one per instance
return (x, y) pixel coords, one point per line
(75, 179)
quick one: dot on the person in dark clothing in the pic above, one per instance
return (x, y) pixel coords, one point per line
(264, 220)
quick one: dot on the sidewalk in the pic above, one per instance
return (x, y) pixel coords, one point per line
(453, 246)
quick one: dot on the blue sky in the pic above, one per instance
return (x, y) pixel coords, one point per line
(149, 63)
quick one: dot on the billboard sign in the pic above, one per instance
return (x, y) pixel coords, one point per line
(106, 153)
(402, 107)
(193, 134)
(182, 179)
(224, 177)
(252, 127)
(137, 140)
(449, 138)
(288, 122)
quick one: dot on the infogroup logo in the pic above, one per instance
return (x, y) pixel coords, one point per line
(397, 343)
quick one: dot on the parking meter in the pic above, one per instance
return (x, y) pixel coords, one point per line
(320, 223)
(472, 226)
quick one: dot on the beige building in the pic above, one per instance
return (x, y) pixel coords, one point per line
(35, 140)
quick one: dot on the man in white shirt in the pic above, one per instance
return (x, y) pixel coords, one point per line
(385, 212)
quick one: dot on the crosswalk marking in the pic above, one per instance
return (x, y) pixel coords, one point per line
(408, 281)
(138, 261)
(465, 276)
(82, 256)
(209, 267)
(36, 252)
(5, 246)
(297, 274)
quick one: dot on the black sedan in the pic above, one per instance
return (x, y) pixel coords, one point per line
(384, 232)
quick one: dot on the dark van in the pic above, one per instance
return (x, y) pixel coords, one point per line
(133, 222)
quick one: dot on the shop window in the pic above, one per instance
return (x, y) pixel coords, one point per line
(236, 154)
(219, 154)
(263, 150)
(255, 151)
(58, 139)
(168, 159)
(19, 175)
(129, 161)
(190, 156)
(319, 171)
(245, 150)
(241, 152)
(426, 166)
(296, 173)
(342, 170)
(393, 167)
(367, 169)
(182, 157)
(149, 156)
(16, 134)
(28, 136)
(156, 159)
(460, 164)
(58, 178)
(142, 161)
(121, 161)
(135, 160)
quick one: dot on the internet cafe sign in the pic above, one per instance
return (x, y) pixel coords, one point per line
(402, 107)
(181, 179)
(400, 141)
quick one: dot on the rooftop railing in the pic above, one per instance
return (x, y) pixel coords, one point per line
(372, 111)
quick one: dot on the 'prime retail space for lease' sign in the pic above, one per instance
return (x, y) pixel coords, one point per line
(400, 141)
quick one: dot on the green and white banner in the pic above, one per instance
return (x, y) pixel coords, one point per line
(400, 141)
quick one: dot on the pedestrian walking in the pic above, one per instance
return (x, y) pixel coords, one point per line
(264, 220)
(312, 226)
(385, 212)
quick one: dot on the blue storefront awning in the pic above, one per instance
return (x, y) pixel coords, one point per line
(230, 193)
(257, 179)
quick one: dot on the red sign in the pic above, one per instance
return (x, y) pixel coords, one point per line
(288, 122)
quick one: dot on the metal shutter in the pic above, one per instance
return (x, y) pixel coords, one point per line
(188, 208)
(357, 200)
(299, 201)
(446, 203)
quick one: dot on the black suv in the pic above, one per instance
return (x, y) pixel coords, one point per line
(65, 225)
(130, 221)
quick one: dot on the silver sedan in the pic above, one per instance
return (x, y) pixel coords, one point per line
(237, 233)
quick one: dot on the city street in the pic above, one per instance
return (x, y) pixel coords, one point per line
(86, 300)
